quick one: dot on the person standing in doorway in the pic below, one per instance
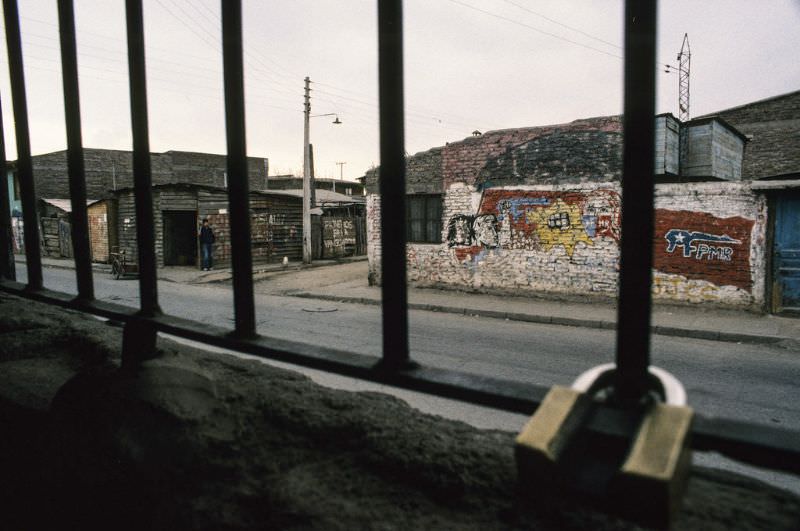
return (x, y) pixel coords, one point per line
(206, 235)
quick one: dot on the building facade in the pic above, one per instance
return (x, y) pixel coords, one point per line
(537, 210)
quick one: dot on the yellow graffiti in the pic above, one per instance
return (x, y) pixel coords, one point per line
(681, 289)
(559, 224)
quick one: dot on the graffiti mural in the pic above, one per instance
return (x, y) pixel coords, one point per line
(463, 230)
(685, 239)
(535, 220)
(701, 246)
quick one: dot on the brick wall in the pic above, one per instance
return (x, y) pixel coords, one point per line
(773, 127)
(564, 240)
(423, 173)
(538, 210)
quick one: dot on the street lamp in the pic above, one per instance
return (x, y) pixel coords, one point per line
(307, 171)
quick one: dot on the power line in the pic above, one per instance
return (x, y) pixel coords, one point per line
(543, 32)
(534, 28)
(598, 39)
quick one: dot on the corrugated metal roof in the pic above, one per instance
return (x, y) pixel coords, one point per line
(323, 196)
(66, 204)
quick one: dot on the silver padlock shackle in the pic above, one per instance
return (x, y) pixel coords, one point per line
(673, 392)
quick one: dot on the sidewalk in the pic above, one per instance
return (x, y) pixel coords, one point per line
(669, 320)
(682, 321)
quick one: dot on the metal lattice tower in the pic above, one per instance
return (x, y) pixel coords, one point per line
(684, 62)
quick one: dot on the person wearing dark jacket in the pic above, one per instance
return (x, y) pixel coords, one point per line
(206, 235)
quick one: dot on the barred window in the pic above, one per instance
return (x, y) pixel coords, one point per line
(424, 218)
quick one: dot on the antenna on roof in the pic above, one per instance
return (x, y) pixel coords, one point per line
(684, 61)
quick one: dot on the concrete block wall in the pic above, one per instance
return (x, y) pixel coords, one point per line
(709, 242)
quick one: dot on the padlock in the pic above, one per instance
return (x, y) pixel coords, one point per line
(630, 460)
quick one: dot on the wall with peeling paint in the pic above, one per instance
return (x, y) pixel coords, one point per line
(538, 210)
(709, 241)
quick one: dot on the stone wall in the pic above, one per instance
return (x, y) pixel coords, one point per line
(709, 242)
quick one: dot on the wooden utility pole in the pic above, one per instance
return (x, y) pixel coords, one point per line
(306, 177)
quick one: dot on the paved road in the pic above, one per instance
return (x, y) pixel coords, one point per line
(747, 382)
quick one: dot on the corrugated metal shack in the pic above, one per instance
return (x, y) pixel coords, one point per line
(55, 218)
(275, 221)
(338, 224)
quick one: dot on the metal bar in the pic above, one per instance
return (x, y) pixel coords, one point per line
(24, 161)
(7, 264)
(633, 318)
(145, 235)
(392, 185)
(238, 185)
(77, 177)
(762, 446)
(759, 445)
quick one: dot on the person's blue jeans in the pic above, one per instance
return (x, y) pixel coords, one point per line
(206, 252)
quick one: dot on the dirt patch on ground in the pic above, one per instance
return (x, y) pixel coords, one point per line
(286, 282)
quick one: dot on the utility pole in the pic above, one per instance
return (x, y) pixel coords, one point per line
(306, 177)
(308, 168)
(341, 173)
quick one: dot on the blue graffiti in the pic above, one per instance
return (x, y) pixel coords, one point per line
(590, 224)
(516, 207)
(686, 239)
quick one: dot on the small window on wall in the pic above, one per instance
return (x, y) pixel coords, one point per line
(424, 218)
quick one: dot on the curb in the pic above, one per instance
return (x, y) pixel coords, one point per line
(672, 331)
(710, 335)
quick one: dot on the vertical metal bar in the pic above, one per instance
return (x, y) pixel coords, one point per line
(238, 185)
(7, 265)
(24, 161)
(145, 235)
(77, 178)
(633, 321)
(392, 184)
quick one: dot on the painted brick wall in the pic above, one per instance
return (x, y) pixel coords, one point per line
(564, 240)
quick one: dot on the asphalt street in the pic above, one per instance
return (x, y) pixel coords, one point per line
(755, 383)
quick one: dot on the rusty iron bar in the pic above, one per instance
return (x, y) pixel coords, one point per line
(75, 166)
(7, 264)
(142, 178)
(238, 185)
(392, 185)
(33, 257)
(636, 246)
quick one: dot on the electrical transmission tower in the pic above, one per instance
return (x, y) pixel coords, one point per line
(684, 62)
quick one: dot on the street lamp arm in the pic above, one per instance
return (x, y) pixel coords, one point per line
(336, 121)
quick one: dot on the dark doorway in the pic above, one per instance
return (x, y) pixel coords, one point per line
(786, 254)
(180, 237)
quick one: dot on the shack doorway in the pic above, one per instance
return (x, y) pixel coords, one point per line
(180, 237)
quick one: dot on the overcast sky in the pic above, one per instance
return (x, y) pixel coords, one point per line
(469, 64)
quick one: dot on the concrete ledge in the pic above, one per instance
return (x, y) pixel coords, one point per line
(200, 441)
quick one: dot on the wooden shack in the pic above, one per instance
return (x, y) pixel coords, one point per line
(275, 222)
(55, 221)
